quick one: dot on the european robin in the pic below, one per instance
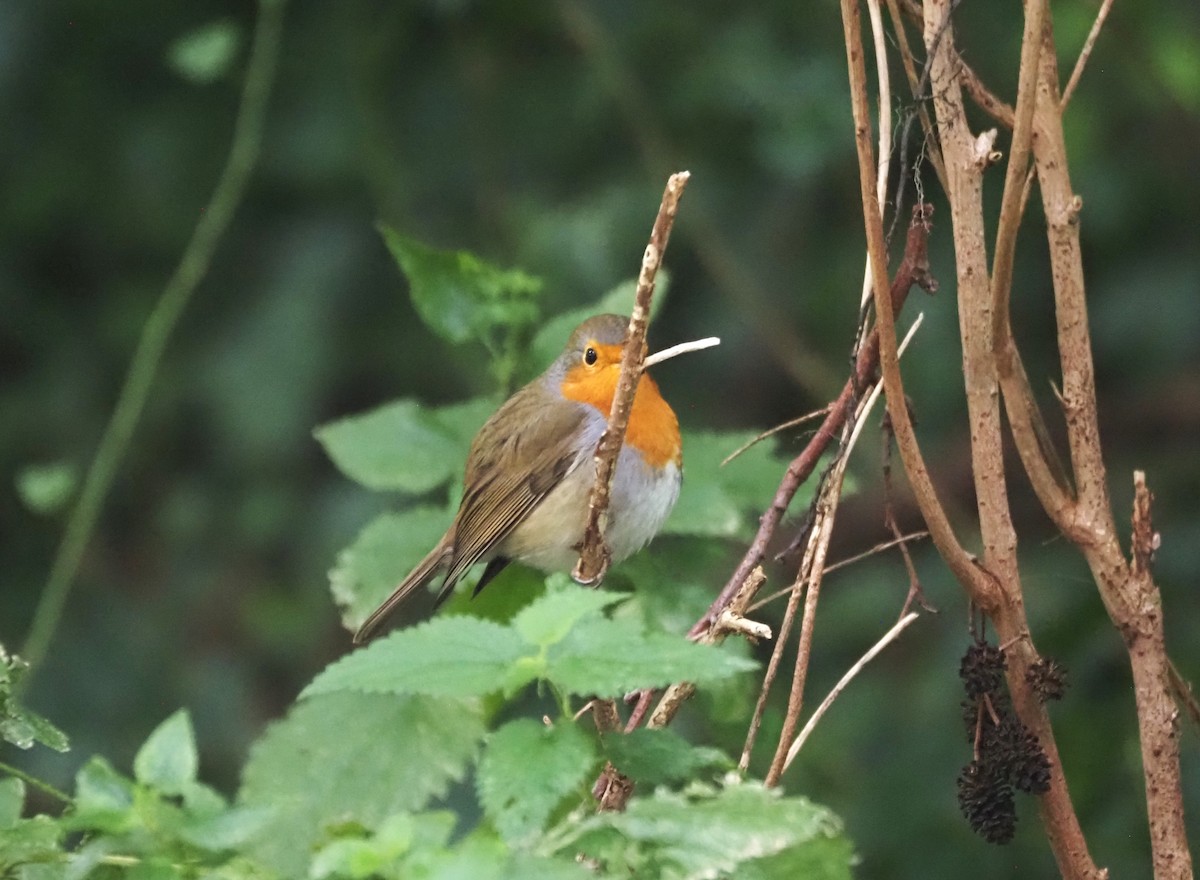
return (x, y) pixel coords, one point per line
(532, 464)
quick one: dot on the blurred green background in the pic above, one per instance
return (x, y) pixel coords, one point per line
(539, 135)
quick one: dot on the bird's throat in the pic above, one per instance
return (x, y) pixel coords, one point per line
(653, 428)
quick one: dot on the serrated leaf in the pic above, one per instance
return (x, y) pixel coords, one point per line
(168, 760)
(205, 54)
(404, 445)
(706, 833)
(607, 658)
(46, 488)
(226, 830)
(548, 619)
(553, 333)
(104, 799)
(447, 656)
(12, 801)
(655, 757)
(351, 757)
(37, 839)
(527, 768)
(458, 295)
(383, 553)
(720, 501)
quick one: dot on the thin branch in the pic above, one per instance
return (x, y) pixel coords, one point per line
(961, 563)
(910, 71)
(193, 266)
(1088, 45)
(848, 561)
(890, 636)
(812, 576)
(770, 432)
(913, 269)
(594, 555)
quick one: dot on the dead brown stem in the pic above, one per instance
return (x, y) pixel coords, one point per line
(594, 556)
(913, 269)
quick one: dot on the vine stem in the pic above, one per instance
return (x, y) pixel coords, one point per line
(193, 266)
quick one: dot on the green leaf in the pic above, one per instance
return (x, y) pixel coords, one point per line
(718, 501)
(46, 488)
(383, 553)
(404, 445)
(104, 799)
(547, 620)
(205, 54)
(458, 295)
(526, 770)
(553, 334)
(168, 760)
(447, 656)
(19, 725)
(710, 833)
(29, 841)
(226, 830)
(350, 757)
(607, 658)
(12, 801)
(656, 757)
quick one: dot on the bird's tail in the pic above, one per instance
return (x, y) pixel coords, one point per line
(426, 570)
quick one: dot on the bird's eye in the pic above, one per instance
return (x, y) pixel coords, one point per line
(589, 356)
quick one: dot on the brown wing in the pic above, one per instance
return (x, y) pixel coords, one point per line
(522, 453)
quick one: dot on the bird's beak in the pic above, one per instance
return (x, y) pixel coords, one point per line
(682, 348)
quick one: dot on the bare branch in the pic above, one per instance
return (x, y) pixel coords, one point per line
(594, 555)
(890, 636)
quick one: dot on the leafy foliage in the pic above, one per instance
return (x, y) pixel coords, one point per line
(356, 780)
(463, 656)
(18, 725)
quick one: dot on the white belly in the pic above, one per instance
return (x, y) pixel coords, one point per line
(642, 497)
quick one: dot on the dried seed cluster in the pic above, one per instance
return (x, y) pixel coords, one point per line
(1007, 755)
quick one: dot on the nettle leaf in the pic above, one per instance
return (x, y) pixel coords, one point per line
(547, 620)
(352, 758)
(608, 658)
(18, 725)
(717, 501)
(656, 757)
(458, 295)
(383, 553)
(526, 770)
(404, 445)
(446, 656)
(552, 335)
(710, 832)
(12, 801)
(168, 760)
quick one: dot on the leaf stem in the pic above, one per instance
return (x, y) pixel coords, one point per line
(193, 266)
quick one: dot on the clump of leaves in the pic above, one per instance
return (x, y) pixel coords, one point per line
(18, 725)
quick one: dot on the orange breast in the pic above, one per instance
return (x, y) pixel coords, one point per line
(653, 428)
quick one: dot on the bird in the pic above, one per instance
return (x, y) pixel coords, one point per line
(530, 470)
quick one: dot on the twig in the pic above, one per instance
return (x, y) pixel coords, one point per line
(770, 432)
(33, 781)
(961, 563)
(890, 636)
(843, 563)
(884, 102)
(193, 266)
(811, 574)
(682, 348)
(913, 269)
(594, 555)
(1088, 45)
